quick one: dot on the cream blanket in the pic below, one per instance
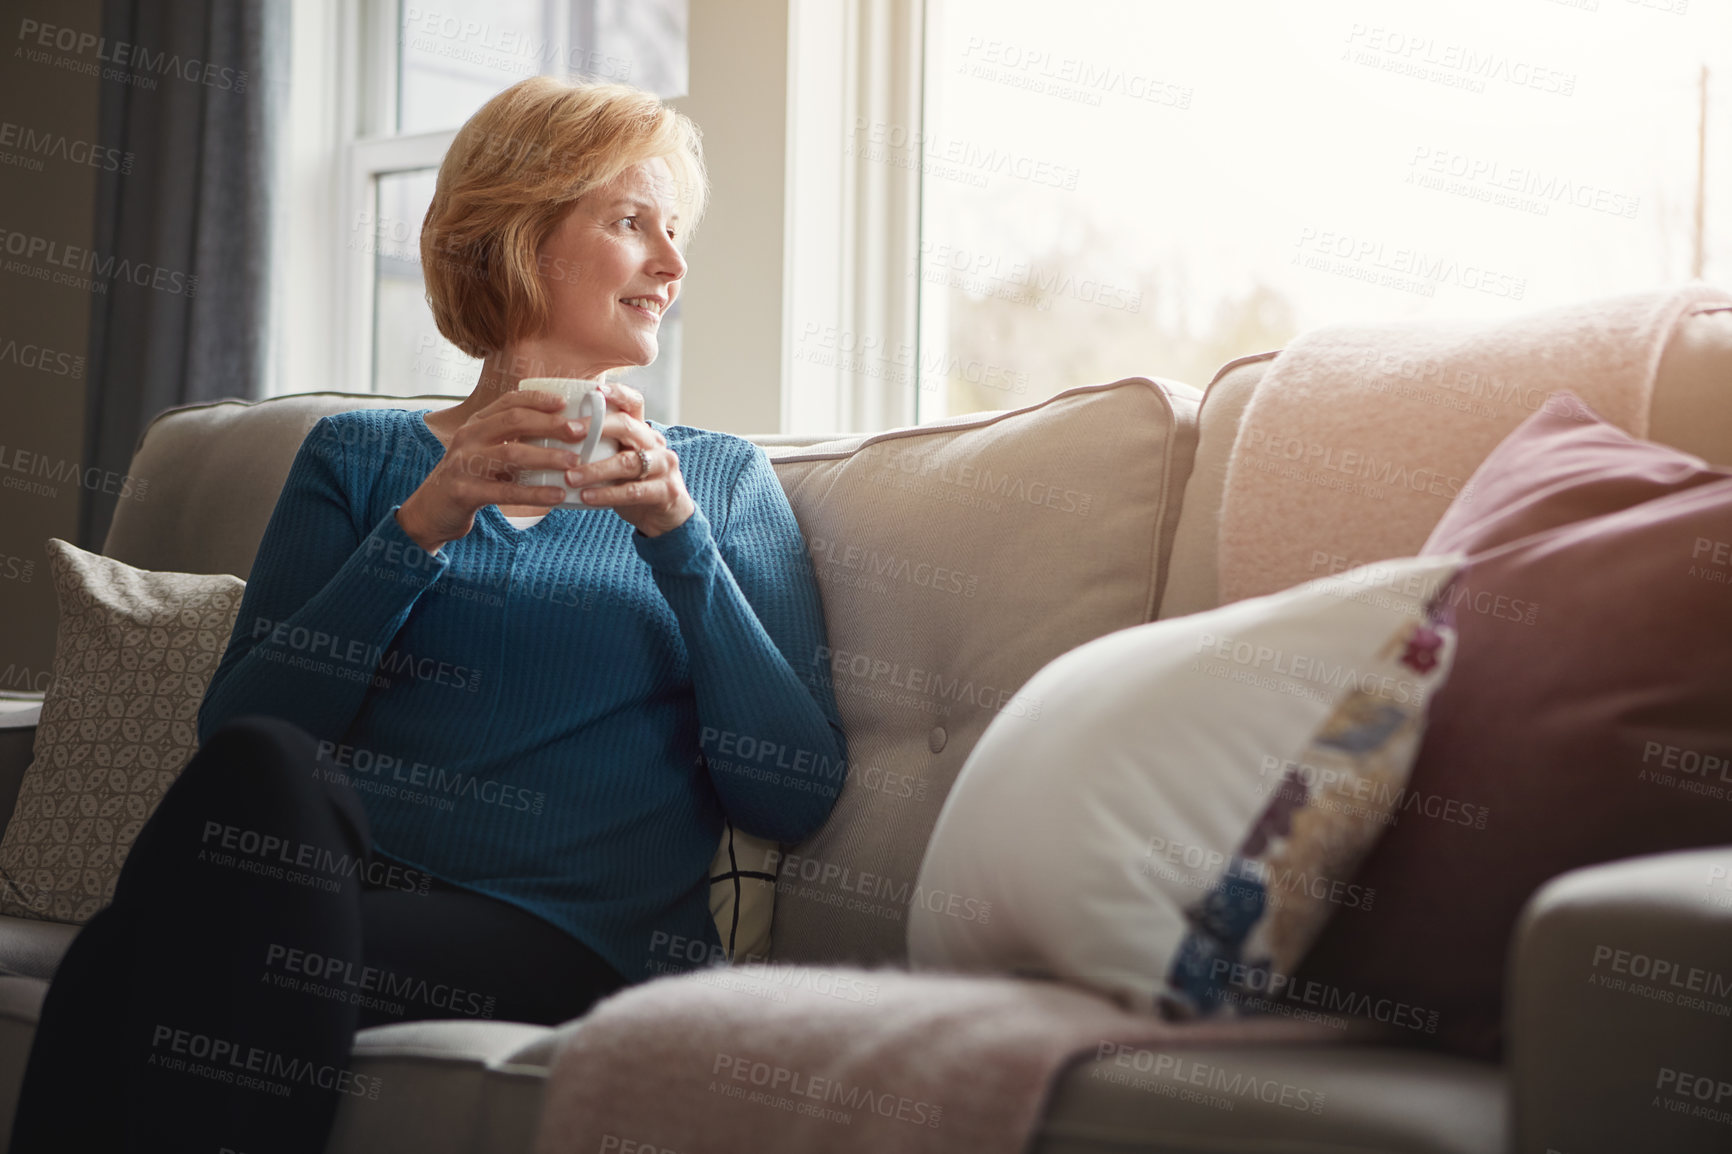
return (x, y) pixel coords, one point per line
(795, 1059)
(1358, 437)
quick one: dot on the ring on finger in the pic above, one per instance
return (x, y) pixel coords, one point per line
(643, 464)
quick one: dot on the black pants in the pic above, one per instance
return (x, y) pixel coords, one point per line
(212, 1005)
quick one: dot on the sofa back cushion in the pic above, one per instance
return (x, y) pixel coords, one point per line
(956, 560)
(1687, 409)
(214, 471)
(1193, 578)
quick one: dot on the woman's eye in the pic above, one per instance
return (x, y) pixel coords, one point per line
(631, 220)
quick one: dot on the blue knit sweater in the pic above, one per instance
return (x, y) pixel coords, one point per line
(557, 716)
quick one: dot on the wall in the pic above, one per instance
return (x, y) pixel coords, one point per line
(732, 359)
(42, 406)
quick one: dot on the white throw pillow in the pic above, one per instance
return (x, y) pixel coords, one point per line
(1189, 807)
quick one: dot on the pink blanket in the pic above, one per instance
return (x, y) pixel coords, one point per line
(1359, 437)
(794, 1059)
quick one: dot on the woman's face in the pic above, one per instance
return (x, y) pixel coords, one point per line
(610, 269)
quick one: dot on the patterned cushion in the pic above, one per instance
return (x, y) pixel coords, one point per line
(134, 653)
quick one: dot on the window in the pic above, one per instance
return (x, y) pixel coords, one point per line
(414, 73)
(1121, 187)
(933, 207)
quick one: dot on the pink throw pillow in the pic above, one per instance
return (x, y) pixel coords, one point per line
(1589, 716)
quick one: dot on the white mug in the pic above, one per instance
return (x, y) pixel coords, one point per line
(582, 402)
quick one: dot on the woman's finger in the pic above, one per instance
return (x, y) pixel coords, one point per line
(624, 398)
(624, 465)
(624, 494)
(522, 421)
(630, 433)
(520, 399)
(511, 493)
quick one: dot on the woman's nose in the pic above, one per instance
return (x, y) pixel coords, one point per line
(669, 262)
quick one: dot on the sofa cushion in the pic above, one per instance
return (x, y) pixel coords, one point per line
(1193, 579)
(133, 655)
(1190, 807)
(214, 471)
(954, 560)
(445, 1087)
(1275, 1100)
(1588, 710)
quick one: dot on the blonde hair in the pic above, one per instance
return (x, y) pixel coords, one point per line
(511, 175)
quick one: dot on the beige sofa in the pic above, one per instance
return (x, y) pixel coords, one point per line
(1574, 1055)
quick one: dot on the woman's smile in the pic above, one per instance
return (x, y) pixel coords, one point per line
(648, 307)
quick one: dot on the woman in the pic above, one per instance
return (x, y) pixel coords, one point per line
(452, 762)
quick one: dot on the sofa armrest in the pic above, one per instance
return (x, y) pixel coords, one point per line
(1620, 1008)
(17, 746)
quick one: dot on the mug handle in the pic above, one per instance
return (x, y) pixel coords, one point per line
(593, 406)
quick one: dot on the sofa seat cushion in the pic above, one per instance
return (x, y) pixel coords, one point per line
(1276, 1100)
(466, 1087)
(456, 1087)
(31, 948)
(449, 1087)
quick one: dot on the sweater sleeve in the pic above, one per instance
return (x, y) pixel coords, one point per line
(753, 627)
(322, 605)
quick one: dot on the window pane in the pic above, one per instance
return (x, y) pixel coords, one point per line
(641, 42)
(1117, 187)
(456, 54)
(409, 355)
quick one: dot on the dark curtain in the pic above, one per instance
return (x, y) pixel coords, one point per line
(195, 99)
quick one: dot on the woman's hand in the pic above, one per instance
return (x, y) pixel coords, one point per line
(653, 501)
(480, 467)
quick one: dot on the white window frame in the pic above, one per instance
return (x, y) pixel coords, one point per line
(364, 162)
(854, 220)
(375, 150)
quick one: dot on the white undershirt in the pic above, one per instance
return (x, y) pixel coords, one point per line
(523, 522)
